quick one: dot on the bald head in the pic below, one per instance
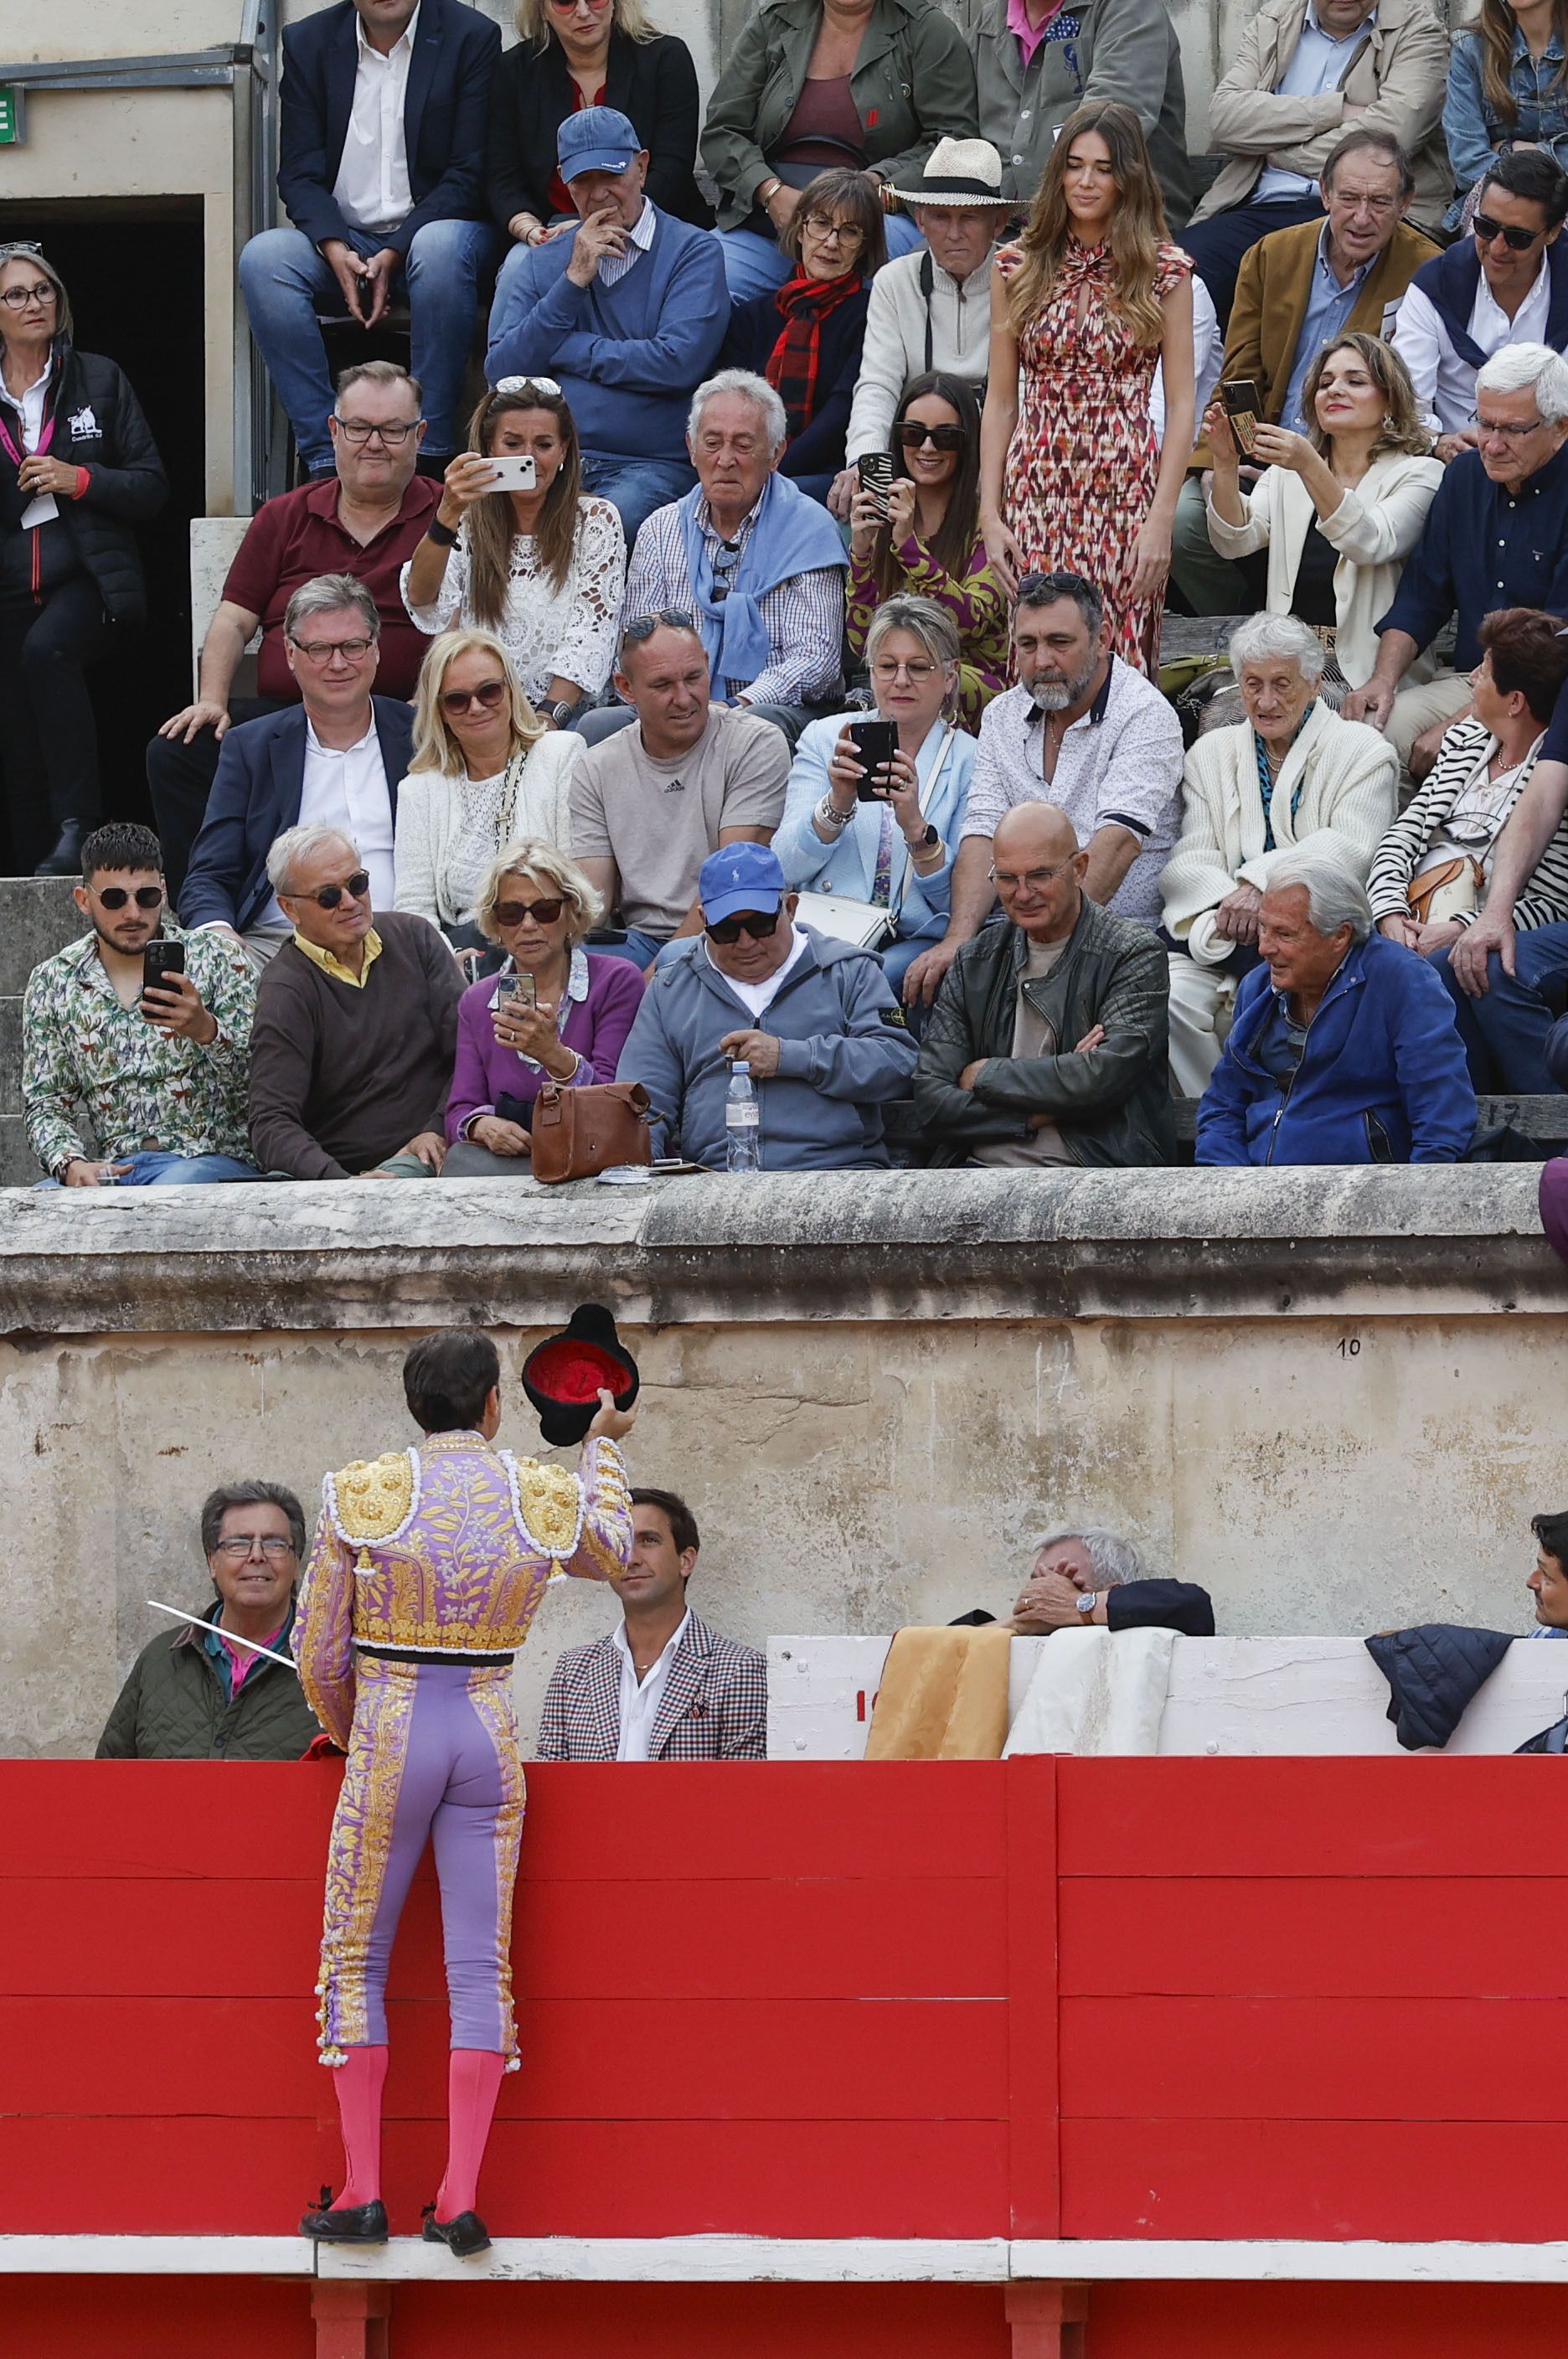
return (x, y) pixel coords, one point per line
(1039, 871)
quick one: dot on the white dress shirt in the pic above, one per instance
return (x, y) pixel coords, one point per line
(372, 189)
(1319, 63)
(347, 788)
(641, 1698)
(1444, 383)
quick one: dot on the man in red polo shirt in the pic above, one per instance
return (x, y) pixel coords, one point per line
(366, 520)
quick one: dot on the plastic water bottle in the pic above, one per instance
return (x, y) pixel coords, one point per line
(742, 1140)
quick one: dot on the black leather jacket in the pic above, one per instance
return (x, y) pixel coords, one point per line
(1111, 1106)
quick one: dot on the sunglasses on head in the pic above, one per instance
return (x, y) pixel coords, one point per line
(1518, 241)
(114, 897)
(911, 435)
(759, 925)
(490, 695)
(356, 887)
(543, 913)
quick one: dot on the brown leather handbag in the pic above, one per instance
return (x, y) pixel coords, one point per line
(579, 1133)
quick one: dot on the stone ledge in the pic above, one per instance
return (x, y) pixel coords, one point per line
(837, 1246)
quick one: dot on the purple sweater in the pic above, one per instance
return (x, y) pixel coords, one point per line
(602, 996)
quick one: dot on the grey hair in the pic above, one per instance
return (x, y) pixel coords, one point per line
(755, 389)
(24, 251)
(1281, 635)
(1334, 898)
(216, 1505)
(329, 593)
(297, 844)
(925, 620)
(1529, 369)
(1114, 1559)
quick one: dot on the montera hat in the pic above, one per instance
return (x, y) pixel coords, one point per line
(961, 172)
(563, 1375)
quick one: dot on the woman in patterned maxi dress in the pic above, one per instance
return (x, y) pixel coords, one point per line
(1083, 308)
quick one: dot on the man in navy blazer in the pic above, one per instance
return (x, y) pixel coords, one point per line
(335, 759)
(381, 147)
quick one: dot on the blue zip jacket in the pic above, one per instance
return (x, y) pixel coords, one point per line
(844, 1049)
(1382, 1078)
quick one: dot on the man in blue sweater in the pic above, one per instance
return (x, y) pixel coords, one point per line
(627, 314)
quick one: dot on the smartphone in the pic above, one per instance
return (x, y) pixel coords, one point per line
(1244, 408)
(875, 742)
(516, 474)
(519, 989)
(876, 472)
(160, 960)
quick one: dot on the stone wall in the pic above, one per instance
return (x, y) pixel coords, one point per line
(1333, 1397)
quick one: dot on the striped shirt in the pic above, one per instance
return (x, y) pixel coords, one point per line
(804, 614)
(1465, 748)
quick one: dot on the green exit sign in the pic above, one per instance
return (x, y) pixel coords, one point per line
(13, 120)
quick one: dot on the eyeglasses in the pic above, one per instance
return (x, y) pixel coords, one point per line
(1379, 207)
(915, 673)
(1508, 434)
(833, 233)
(322, 651)
(543, 913)
(545, 385)
(570, 7)
(1035, 878)
(1517, 240)
(759, 925)
(1041, 589)
(17, 298)
(360, 429)
(239, 1544)
(114, 897)
(911, 435)
(643, 626)
(356, 887)
(490, 695)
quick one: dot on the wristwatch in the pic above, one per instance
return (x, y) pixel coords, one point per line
(1087, 1601)
(562, 714)
(929, 840)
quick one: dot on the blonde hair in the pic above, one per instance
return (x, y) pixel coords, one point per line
(531, 856)
(626, 17)
(1137, 224)
(435, 747)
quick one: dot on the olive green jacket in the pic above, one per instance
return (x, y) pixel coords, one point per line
(173, 1708)
(913, 84)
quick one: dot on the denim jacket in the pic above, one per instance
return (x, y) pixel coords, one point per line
(1474, 136)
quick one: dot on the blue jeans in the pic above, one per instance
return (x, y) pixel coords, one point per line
(158, 1170)
(634, 487)
(640, 948)
(1505, 1033)
(285, 283)
(754, 266)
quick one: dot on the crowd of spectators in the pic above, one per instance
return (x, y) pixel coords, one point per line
(770, 670)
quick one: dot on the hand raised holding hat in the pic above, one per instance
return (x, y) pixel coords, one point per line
(610, 1423)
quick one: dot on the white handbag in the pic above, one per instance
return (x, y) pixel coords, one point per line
(870, 924)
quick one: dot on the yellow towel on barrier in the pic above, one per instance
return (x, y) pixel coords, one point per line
(943, 1697)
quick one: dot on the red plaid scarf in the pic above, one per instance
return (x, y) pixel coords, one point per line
(792, 364)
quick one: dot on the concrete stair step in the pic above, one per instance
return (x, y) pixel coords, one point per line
(38, 916)
(18, 1168)
(10, 1056)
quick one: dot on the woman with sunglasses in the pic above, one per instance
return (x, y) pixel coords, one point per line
(577, 53)
(805, 337)
(484, 769)
(926, 542)
(542, 568)
(555, 1010)
(79, 470)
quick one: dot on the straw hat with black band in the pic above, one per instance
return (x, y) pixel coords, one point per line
(961, 172)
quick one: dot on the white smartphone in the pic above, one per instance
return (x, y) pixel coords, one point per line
(514, 475)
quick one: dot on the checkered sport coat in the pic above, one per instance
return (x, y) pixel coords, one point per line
(714, 1708)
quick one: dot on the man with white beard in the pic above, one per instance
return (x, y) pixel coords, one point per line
(1084, 731)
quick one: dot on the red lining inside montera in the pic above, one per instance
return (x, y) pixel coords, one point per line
(576, 1372)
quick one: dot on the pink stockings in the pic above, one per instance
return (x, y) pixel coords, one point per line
(474, 2082)
(359, 2080)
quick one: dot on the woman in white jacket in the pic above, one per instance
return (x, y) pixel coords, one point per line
(485, 770)
(1339, 509)
(1293, 778)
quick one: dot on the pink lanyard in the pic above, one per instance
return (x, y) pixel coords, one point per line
(44, 438)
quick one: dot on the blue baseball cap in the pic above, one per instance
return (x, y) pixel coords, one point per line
(739, 876)
(598, 139)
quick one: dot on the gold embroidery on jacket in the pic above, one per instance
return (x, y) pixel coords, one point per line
(374, 1496)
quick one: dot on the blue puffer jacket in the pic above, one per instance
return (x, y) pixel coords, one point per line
(1382, 1080)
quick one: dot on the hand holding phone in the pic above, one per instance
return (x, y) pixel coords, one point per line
(518, 472)
(874, 469)
(876, 744)
(1244, 408)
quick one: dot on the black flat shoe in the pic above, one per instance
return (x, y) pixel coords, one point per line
(353, 2223)
(65, 860)
(466, 2236)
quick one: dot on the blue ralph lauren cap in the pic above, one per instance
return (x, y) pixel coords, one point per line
(739, 876)
(596, 139)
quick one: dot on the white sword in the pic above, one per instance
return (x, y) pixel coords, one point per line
(233, 1637)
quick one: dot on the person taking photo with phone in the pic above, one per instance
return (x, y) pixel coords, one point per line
(147, 1027)
(518, 548)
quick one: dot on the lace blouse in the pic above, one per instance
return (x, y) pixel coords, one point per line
(567, 634)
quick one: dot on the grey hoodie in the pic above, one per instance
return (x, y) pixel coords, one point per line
(843, 1049)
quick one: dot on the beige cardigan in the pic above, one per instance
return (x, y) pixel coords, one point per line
(1374, 528)
(1348, 777)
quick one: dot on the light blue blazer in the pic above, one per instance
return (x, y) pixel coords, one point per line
(849, 866)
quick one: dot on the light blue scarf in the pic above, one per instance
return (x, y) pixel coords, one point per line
(789, 534)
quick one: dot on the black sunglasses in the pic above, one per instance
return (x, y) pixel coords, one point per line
(1518, 241)
(729, 930)
(355, 886)
(911, 434)
(114, 897)
(643, 626)
(512, 913)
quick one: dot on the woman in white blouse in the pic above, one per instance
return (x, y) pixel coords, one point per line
(543, 568)
(484, 769)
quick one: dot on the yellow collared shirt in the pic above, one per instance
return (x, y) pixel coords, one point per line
(331, 966)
